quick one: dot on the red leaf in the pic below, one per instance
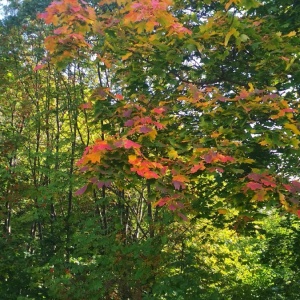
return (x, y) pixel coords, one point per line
(177, 184)
(162, 201)
(101, 184)
(145, 129)
(288, 187)
(81, 190)
(224, 158)
(293, 187)
(208, 157)
(75, 8)
(148, 174)
(129, 123)
(298, 213)
(146, 120)
(130, 144)
(296, 186)
(127, 113)
(119, 97)
(172, 207)
(244, 94)
(158, 110)
(195, 168)
(182, 216)
(178, 181)
(254, 176)
(87, 105)
(100, 146)
(58, 31)
(267, 182)
(254, 186)
(43, 15)
(218, 169)
(118, 144)
(159, 125)
(38, 67)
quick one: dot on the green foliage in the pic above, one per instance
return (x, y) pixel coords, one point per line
(149, 150)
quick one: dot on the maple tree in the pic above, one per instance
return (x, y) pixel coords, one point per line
(155, 133)
(250, 113)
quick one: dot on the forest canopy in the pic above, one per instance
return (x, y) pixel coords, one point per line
(150, 149)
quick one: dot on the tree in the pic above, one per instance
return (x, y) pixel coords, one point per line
(188, 114)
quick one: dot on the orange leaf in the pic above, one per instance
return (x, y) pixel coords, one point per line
(93, 157)
(197, 167)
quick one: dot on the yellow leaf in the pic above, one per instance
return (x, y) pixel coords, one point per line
(292, 127)
(222, 211)
(152, 134)
(251, 87)
(228, 4)
(172, 153)
(283, 201)
(290, 34)
(215, 134)
(263, 143)
(126, 56)
(183, 98)
(249, 161)
(231, 32)
(150, 26)
(295, 142)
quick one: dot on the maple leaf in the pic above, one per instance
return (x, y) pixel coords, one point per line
(254, 185)
(293, 187)
(101, 184)
(145, 129)
(81, 190)
(224, 158)
(87, 105)
(260, 195)
(178, 181)
(199, 166)
(129, 123)
(119, 97)
(243, 94)
(254, 176)
(182, 216)
(148, 174)
(127, 113)
(100, 146)
(159, 125)
(38, 67)
(152, 134)
(133, 159)
(209, 157)
(172, 153)
(172, 207)
(130, 144)
(162, 201)
(268, 182)
(159, 110)
(93, 157)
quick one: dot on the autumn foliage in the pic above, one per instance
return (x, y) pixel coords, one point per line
(174, 159)
(150, 149)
